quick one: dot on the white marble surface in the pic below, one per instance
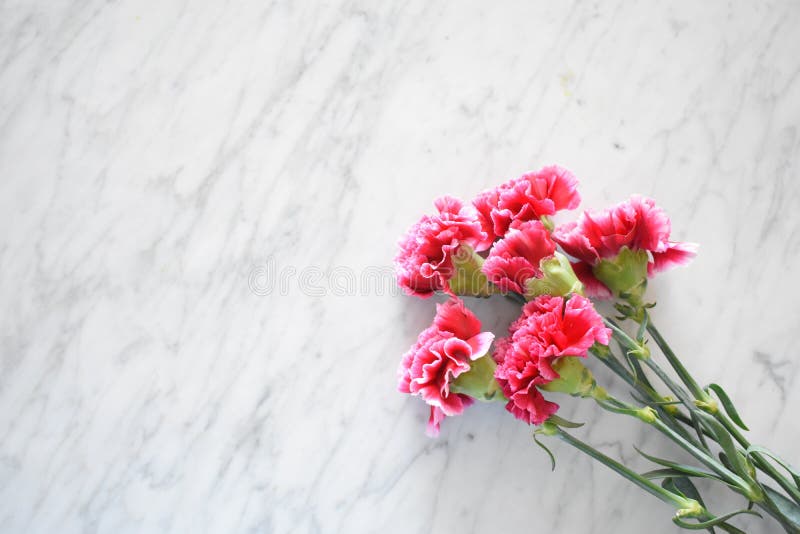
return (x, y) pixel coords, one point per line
(155, 157)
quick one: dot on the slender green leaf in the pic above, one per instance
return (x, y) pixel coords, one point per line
(727, 527)
(725, 441)
(730, 409)
(669, 485)
(550, 454)
(711, 522)
(788, 508)
(621, 469)
(662, 473)
(689, 489)
(560, 421)
(766, 452)
(685, 470)
(724, 459)
(611, 407)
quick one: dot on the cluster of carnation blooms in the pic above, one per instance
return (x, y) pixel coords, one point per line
(505, 243)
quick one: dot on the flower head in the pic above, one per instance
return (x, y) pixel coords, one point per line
(549, 328)
(515, 259)
(424, 263)
(637, 225)
(442, 353)
(529, 197)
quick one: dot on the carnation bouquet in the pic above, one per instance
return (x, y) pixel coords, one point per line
(504, 244)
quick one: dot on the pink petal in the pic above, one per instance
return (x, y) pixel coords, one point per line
(437, 416)
(675, 255)
(480, 344)
(453, 316)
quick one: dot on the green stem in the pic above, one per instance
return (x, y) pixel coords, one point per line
(668, 497)
(701, 455)
(676, 389)
(759, 460)
(682, 396)
(676, 364)
(626, 341)
(646, 390)
(686, 507)
(769, 506)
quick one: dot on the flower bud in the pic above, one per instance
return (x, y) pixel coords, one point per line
(558, 279)
(708, 405)
(670, 408)
(691, 508)
(647, 414)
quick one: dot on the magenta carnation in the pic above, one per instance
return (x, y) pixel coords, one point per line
(526, 198)
(442, 353)
(424, 263)
(549, 328)
(637, 224)
(515, 259)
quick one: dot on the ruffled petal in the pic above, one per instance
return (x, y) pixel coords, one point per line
(480, 344)
(453, 316)
(676, 254)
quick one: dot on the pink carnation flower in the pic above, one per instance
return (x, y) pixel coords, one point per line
(526, 198)
(442, 353)
(548, 328)
(637, 224)
(515, 259)
(424, 263)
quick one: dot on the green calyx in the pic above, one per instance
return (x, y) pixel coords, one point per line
(557, 279)
(573, 379)
(547, 428)
(468, 278)
(625, 275)
(601, 351)
(479, 382)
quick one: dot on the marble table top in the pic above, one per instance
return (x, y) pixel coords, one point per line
(200, 203)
